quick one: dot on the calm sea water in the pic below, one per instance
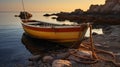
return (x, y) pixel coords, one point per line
(15, 46)
(12, 51)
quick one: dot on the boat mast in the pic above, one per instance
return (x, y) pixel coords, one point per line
(24, 10)
(23, 6)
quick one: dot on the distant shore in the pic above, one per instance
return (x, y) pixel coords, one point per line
(79, 17)
(108, 13)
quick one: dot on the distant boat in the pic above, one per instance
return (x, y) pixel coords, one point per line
(61, 33)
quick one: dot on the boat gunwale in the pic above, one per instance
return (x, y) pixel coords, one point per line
(53, 26)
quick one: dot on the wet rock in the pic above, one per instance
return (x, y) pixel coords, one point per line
(30, 63)
(77, 12)
(47, 15)
(62, 55)
(35, 58)
(74, 64)
(48, 59)
(73, 58)
(110, 7)
(61, 63)
(54, 17)
(94, 33)
(82, 52)
(25, 15)
(99, 45)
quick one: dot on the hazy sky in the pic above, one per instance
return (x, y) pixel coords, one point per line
(47, 5)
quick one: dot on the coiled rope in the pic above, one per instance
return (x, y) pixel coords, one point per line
(95, 58)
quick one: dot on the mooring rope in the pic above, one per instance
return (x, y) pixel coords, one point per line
(95, 58)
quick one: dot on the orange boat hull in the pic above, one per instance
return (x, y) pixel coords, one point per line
(57, 33)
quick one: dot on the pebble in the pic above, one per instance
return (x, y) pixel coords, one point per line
(84, 53)
(99, 45)
(62, 55)
(61, 63)
(48, 59)
(34, 58)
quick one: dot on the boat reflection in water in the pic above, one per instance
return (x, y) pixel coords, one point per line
(37, 46)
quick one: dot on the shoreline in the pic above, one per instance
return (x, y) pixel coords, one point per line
(109, 41)
(96, 19)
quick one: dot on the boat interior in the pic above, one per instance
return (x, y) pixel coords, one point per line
(40, 23)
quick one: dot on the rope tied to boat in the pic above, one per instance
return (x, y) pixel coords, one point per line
(95, 57)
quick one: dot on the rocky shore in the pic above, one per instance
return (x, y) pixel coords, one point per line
(88, 17)
(101, 16)
(109, 41)
(108, 13)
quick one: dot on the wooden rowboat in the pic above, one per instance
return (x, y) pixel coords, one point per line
(51, 31)
(55, 32)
